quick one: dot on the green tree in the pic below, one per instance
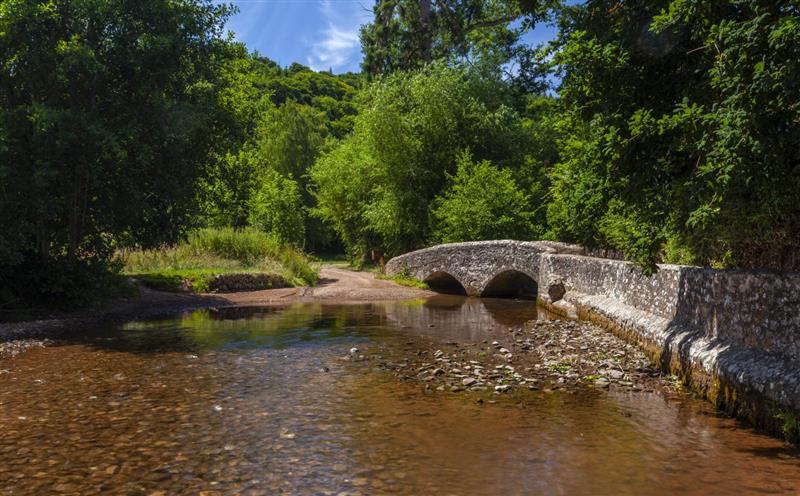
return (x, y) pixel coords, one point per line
(483, 202)
(407, 34)
(344, 181)
(289, 139)
(276, 118)
(108, 115)
(681, 142)
(377, 186)
(276, 207)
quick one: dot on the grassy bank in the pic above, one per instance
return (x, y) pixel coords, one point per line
(403, 280)
(209, 253)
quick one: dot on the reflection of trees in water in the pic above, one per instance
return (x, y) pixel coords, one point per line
(251, 327)
(445, 301)
(304, 323)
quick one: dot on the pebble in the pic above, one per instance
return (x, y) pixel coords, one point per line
(616, 374)
(554, 356)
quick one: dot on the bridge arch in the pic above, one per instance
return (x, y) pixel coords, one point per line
(443, 282)
(511, 283)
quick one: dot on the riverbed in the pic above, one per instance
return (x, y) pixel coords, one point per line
(330, 398)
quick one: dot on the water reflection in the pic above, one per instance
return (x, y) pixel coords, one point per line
(317, 324)
(237, 400)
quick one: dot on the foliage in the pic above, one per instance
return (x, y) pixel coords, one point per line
(788, 424)
(276, 207)
(675, 137)
(222, 251)
(327, 93)
(95, 99)
(700, 170)
(483, 202)
(291, 114)
(407, 34)
(377, 186)
(289, 138)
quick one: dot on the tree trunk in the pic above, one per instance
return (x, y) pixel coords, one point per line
(425, 25)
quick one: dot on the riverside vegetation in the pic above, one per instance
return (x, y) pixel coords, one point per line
(135, 128)
(209, 253)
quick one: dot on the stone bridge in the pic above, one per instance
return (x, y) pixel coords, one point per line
(503, 268)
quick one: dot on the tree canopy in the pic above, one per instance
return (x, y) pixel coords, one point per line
(682, 131)
(667, 130)
(108, 113)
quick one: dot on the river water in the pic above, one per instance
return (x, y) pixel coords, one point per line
(260, 401)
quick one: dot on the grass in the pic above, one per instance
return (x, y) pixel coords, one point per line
(210, 252)
(334, 259)
(789, 425)
(561, 367)
(403, 280)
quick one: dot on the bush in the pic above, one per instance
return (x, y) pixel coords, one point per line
(701, 170)
(483, 202)
(88, 121)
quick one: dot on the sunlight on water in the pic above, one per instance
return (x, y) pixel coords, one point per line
(233, 400)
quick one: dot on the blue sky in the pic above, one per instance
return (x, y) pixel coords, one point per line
(322, 34)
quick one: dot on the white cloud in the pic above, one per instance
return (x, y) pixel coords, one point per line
(338, 47)
(338, 44)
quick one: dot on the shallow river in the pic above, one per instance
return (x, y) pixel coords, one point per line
(259, 401)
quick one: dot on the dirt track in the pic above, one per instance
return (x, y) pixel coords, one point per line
(334, 283)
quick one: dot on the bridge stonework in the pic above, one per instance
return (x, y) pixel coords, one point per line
(474, 265)
(732, 334)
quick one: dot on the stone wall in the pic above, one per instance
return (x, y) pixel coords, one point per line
(734, 336)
